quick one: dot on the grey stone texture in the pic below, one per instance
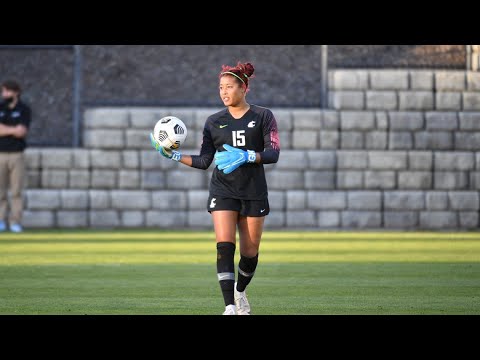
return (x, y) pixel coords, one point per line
(471, 101)
(399, 140)
(400, 219)
(469, 120)
(406, 120)
(329, 219)
(436, 200)
(352, 140)
(397, 149)
(438, 220)
(450, 80)
(433, 140)
(349, 100)
(104, 218)
(380, 179)
(72, 219)
(382, 100)
(132, 218)
(357, 120)
(415, 179)
(199, 219)
(473, 80)
(349, 179)
(349, 79)
(441, 120)
(446, 100)
(389, 79)
(421, 80)
(296, 200)
(361, 219)
(377, 140)
(416, 100)
(301, 218)
(38, 219)
(364, 200)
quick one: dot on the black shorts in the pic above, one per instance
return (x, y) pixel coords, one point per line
(251, 208)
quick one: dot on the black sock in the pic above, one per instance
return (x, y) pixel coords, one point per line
(226, 270)
(246, 270)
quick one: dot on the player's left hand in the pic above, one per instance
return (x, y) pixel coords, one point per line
(231, 159)
(169, 154)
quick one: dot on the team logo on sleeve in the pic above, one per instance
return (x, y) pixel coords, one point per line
(251, 124)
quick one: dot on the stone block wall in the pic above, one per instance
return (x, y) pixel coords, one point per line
(400, 156)
(404, 90)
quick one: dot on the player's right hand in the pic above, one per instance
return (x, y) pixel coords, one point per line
(169, 154)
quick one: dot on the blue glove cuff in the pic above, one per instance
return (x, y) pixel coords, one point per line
(176, 156)
(252, 156)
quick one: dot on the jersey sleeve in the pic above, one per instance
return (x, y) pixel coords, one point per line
(207, 151)
(271, 140)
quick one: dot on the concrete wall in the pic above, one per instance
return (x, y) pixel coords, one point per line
(395, 162)
(187, 75)
(404, 90)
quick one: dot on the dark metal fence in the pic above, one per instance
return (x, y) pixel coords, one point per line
(453, 57)
(50, 76)
(61, 80)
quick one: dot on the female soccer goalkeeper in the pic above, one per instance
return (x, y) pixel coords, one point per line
(241, 138)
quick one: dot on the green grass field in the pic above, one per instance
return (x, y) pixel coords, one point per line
(159, 272)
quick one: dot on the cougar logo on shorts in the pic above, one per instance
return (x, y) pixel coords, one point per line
(212, 203)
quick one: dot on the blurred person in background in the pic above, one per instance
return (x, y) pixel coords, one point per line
(15, 117)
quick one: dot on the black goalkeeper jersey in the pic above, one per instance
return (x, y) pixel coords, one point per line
(256, 130)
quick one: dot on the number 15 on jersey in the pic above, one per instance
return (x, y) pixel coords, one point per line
(238, 138)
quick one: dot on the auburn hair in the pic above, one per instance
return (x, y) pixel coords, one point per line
(243, 72)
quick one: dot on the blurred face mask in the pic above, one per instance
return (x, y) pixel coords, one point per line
(8, 100)
(8, 95)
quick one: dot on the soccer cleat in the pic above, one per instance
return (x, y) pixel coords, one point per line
(16, 228)
(230, 310)
(241, 301)
(3, 226)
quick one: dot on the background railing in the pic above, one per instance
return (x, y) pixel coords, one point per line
(60, 81)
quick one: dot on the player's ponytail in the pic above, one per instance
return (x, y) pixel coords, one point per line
(248, 69)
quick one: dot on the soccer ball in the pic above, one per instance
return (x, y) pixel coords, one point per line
(170, 132)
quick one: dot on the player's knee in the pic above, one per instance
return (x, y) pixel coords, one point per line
(249, 252)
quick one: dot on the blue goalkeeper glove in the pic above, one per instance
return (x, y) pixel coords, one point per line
(233, 158)
(169, 154)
